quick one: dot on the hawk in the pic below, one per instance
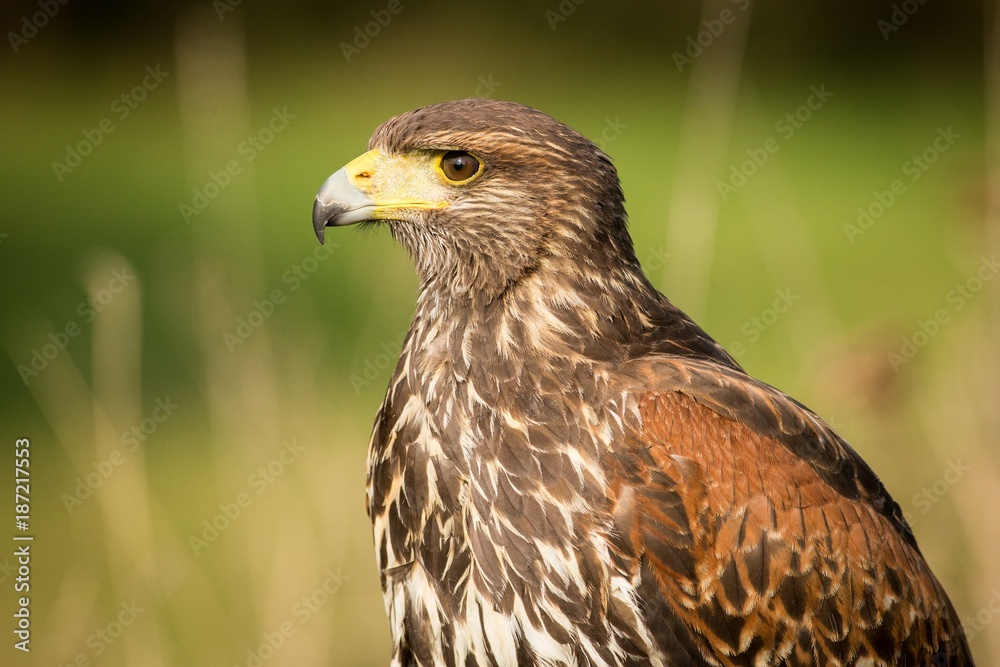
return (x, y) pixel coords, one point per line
(566, 470)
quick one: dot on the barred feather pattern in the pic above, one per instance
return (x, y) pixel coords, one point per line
(567, 471)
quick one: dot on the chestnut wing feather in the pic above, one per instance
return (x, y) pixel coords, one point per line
(766, 534)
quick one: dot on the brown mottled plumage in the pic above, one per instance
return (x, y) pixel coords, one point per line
(566, 470)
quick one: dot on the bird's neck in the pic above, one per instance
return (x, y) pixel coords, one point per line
(561, 314)
(554, 310)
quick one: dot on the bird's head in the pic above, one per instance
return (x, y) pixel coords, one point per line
(484, 193)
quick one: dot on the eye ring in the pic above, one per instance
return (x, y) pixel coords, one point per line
(459, 167)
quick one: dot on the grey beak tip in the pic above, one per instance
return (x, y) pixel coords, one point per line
(322, 215)
(339, 203)
(319, 225)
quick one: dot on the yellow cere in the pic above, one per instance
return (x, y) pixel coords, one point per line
(396, 182)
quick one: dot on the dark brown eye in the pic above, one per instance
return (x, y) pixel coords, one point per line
(459, 166)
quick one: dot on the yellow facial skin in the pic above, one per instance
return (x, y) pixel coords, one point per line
(395, 183)
(380, 186)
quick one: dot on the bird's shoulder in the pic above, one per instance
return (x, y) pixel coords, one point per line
(710, 411)
(762, 528)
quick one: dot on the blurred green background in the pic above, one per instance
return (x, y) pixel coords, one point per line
(176, 368)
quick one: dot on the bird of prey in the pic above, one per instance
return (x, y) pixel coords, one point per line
(566, 470)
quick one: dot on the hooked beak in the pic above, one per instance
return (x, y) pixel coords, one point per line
(339, 201)
(354, 195)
